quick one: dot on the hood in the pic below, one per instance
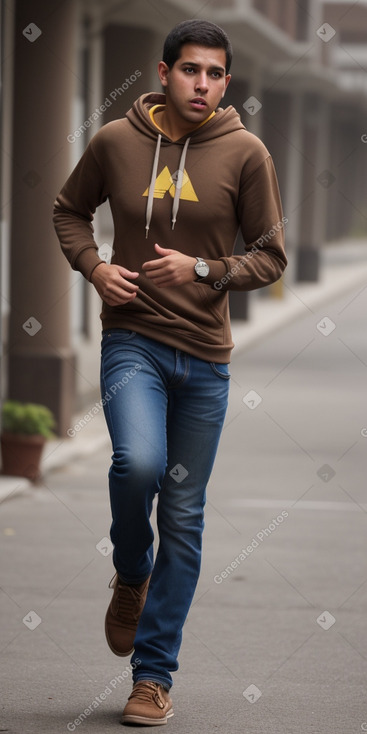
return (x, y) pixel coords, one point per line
(224, 121)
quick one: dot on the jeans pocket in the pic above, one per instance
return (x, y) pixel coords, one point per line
(122, 335)
(221, 370)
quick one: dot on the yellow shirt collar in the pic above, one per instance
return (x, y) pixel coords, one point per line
(157, 107)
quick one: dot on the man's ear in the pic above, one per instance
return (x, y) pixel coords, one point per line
(227, 80)
(163, 70)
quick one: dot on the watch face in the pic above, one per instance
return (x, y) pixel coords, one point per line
(202, 269)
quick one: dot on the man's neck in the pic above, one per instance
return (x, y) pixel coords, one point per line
(170, 127)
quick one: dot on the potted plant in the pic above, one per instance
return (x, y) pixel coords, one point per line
(25, 430)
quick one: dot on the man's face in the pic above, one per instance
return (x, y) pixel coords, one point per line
(196, 83)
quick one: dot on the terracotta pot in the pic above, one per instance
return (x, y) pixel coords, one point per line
(21, 455)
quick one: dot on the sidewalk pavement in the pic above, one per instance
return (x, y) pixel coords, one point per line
(343, 269)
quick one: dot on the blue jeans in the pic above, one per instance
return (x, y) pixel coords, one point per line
(165, 410)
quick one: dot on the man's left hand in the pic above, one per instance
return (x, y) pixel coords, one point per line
(172, 268)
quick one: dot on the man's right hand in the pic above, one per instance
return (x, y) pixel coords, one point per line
(110, 282)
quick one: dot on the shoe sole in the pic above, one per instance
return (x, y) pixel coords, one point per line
(116, 652)
(145, 720)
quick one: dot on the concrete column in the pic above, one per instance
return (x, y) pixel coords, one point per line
(254, 117)
(277, 137)
(86, 304)
(6, 72)
(128, 50)
(336, 154)
(239, 300)
(289, 16)
(317, 178)
(349, 203)
(325, 178)
(41, 361)
(360, 182)
(293, 174)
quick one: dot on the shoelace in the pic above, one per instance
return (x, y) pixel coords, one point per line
(147, 692)
(127, 600)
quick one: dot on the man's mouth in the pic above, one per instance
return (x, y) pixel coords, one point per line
(198, 103)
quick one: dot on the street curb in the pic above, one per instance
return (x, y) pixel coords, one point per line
(11, 487)
(70, 449)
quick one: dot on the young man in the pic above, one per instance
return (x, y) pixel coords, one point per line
(181, 175)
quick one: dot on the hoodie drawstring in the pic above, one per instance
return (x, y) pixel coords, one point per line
(152, 186)
(178, 185)
(179, 182)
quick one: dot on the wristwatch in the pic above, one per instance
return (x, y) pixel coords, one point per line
(201, 269)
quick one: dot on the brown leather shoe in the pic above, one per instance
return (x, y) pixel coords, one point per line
(123, 614)
(149, 704)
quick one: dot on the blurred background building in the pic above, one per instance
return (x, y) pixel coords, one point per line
(299, 82)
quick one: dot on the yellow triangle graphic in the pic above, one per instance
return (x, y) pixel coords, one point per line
(167, 182)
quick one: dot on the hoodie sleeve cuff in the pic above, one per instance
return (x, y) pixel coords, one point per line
(217, 269)
(87, 261)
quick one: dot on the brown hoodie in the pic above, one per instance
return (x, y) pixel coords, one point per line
(225, 180)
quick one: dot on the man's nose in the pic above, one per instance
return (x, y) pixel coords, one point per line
(202, 82)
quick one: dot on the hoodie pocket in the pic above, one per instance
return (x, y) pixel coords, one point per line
(208, 298)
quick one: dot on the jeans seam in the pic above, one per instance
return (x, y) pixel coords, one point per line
(186, 371)
(107, 406)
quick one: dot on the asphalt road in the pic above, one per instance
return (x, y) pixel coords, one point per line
(276, 638)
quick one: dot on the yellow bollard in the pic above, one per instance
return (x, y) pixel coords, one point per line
(276, 290)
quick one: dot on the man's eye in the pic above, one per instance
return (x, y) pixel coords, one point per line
(189, 69)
